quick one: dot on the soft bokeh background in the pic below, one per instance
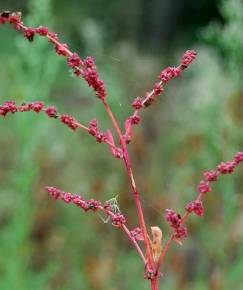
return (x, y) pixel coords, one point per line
(195, 124)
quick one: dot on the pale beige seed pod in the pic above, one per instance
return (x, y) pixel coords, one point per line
(156, 243)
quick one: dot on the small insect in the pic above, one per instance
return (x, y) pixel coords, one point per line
(114, 207)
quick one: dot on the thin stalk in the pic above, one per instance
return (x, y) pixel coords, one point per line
(167, 245)
(134, 242)
(154, 284)
(132, 181)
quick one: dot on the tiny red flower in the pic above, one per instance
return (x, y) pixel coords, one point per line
(180, 233)
(188, 58)
(135, 120)
(52, 37)
(168, 73)
(54, 192)
(61, 49)
(67, 197)
(203, 187)
(173, 218)
(74, 60)
(69, 121)
(158, 89)
(93, 127)
(137, 103)
(196, 207)
(118, 220)
(238, 157)
(51, 112)
(226, 167)
(137, 234)
(29, 33)
(42, 30)
(37, 106)
(211, 175)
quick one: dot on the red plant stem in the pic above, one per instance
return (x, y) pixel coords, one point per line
(53, 40)
(131, 238)
(165, 249)
(147, 97)
(154, 284)
(87, 130)
(134, 242)
(133, 184)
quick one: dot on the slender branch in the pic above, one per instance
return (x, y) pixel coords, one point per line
(132, 181)
(171, 238)
(134, 242)
(154, 284)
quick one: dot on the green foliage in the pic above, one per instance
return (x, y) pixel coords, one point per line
(228, 38)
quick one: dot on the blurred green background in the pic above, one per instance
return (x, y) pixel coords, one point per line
(195, 124)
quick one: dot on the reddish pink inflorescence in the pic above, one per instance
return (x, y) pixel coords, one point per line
(188, 58)
(212, 176)
(84, 68)
(203, 187)
(196, 207)
(37, 107)
(117, 219)
(180, 232)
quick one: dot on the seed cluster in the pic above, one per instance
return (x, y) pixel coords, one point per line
(196, 206)
(117, 219)
(84, 68)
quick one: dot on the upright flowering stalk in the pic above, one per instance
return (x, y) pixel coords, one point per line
(148, 243)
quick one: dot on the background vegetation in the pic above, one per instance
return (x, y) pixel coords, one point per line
(196, 123)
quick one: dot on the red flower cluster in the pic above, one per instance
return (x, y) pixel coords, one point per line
(137, 234)
(203, 187)
(223, 168)
(117, 219)
(74, 61)
(132, 120)
(196, 207)
(69, 121)
(61, 49)
(67, 197)
(137, 103)
(90, 74)
(211, 176)
(188, 58)
(10, 107)
(104, 137)
(169, 73)
(51, 112)
(165, 76)
(85, 68)
(238, 157)
(180, 232)
(43, 31)
(94, 131)
(226, 167)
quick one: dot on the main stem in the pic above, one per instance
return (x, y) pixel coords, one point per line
(133, 184)
(154, 284)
